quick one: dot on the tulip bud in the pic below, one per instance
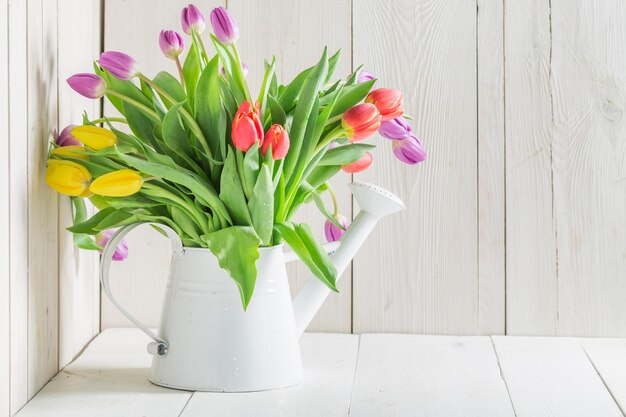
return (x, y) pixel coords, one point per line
(359, 165)
(360, 121)
(192, 18)
(224, 27)
(95, 137)
(247, 128)
(71, 151)
(88, 85)
(171, 44)
(119, 64)
(388, 101)
(121, 183)
(332, 231)
(121, 251)
(409, 150)
(395, 129)
(67, 177)
(365, 76)
(278, 138)
(65, 138)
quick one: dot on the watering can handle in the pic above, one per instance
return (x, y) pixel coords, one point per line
(160, 346)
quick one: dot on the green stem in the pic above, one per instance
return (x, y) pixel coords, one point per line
(180, 72)
(334, 198)
(109, 119)
(239, 72)
(331, 136)
(198, 40)
(145, 109)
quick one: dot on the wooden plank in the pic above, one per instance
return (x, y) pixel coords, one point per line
(402, 375)
(608, 357)
(109, 379)
(297, 42)
(589, 165)
(491, 223)
(42, 200)
(418, 263)
(329, 365)
(552, 377)
(530, 230)
(5, 296)
(18, 205)
(79, 289)
(139, 282)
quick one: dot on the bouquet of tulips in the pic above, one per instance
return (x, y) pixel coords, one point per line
(222, 168)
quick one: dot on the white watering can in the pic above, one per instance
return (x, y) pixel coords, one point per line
(207, 342)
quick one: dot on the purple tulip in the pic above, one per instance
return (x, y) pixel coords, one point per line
(121, 252)
(409, 150)
(365, 76)
(332, 231)
(224, 26)
(65, 138)
(192, 18)
(244, 70)
(396, 129)
(88, 85)
(171, 44)
(119, 64)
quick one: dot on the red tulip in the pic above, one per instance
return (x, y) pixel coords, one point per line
(388, 101)
(360, 164)
(361, 121)
(247, 128)
(278, 138)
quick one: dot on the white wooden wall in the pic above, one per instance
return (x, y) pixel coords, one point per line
(49, 307)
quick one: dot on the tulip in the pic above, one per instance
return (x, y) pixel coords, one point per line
(88, 85)
(409, 150)
(65, 138)
(360, 121)
(119, 64)
(71, 151)
(278, 138)
(395, 129)
(388, 101)
(171, 44)
(359, 165)
(67, 177)
(192, 18)
(95, 137)
(224, 26)
(332, 231)
(365, 76)
(121, 183)
(121, 251)
(247, 128)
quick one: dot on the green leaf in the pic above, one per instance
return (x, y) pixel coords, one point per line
(208, 106)
(300, 239)
(265, 87)
(174, 134)
(117, 218)
(89, 226)
(343, 155)
(277, 112)
(191, 73)
(140, 125)
(332, 64)
(183, 220)
(321, 174)
(261, 206)
(231, 192)
(350, 96)
(290, 95)
(171, 86)
(237, 249)
(81, 240)
(251, 166)
(124, 87)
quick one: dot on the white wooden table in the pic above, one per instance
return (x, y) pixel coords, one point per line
(369, 375)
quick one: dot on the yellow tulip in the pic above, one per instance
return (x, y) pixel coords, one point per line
(95, 137)
(71, 151)
(120, 183)
(67, 177)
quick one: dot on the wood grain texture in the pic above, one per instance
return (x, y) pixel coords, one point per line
(296, 33)
(418, 264)
(79, 289)
(491, 207)
(530, 227)
(589, 165)
(553, 378)
(608, 357)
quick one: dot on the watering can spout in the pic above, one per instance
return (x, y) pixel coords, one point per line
(375, 203)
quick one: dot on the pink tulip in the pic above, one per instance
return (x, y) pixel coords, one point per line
(65, 138)
(359, 165)
(119, 64)
(388, 101)
(278, 138)
(409, 150)
(332, 231)
(247, 127)
(192, 18)
(365, 76)
(171, 44)
(121, 251)
(88, 85)
(395, 129)
(360, 121)
(224, 27)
